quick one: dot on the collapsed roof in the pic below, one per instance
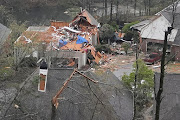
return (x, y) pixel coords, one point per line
(60, 31)
(85, 15)
(79, 35)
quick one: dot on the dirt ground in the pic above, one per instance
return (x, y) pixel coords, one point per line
(114, 62)
(172, 67)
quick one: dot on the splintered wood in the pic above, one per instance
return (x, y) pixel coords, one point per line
(55, 98)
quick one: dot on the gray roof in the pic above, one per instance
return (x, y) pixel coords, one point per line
(38, 28)
(80, 100)
(119, 96)
(167, 13)
(4, 33)
(170, 105)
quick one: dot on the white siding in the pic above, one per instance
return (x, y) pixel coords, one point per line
(156, 29)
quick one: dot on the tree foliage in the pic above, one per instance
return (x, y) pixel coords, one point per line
(6, 17)
(114, 26)
(126, 28)
(145, 77)
(145, 84)
(126, 46)
(106, 32)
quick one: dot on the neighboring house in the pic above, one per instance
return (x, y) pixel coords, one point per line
(170, 105)
(152, 31)
(4, 33)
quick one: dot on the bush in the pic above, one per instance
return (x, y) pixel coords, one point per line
(114, 26)
(6, 73)
(126, 46)
(126, 28)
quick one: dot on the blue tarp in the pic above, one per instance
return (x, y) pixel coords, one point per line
(62, 43)
(81, 40)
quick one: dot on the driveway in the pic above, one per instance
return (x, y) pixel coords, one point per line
(123, 69)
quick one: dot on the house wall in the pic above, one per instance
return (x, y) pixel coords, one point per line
(82, 57)
(58, 24)
(174, 50)
(145, 42)
(156, 29)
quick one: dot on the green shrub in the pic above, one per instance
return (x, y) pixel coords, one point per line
(126, 46)
(6, 73)
(126, 28)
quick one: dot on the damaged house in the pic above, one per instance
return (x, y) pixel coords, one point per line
(62, 40)
(152, 31)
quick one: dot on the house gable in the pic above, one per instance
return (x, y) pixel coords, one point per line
(155, 29)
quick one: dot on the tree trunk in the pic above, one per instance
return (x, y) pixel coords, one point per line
(111, 10)
(127, 12)
(89, 5)
(106, 8)
(53, 112)
(135, 1)
(135, 84)
(158, 97)
(145, 7)
(149, 7)
(117, 11)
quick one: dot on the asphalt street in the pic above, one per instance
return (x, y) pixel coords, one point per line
(124, 69)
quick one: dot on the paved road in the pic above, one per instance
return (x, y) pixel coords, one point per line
(124, 69)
